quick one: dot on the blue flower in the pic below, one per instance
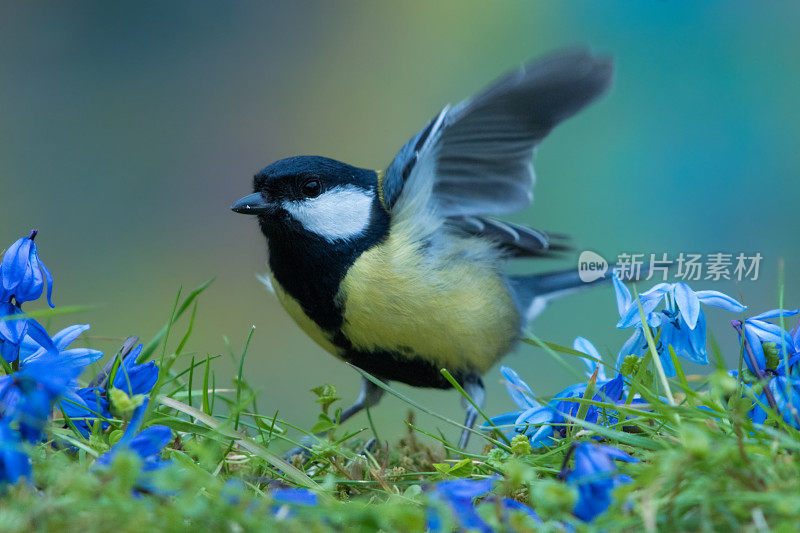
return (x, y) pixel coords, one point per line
(459, 495)
(27, 396)
(22, 274)
(531, 411)
(14, 463)
(30, 349)
(285, 499)
(295, 497)
(75, 402)
(786, 393)
(15, 327)
(147, 444)
(595, 477)
(83, 406)
(681, 321)
(544, 423)
(758, 331)
(133, 378)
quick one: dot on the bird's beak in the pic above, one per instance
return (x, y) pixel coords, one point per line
(252, 204)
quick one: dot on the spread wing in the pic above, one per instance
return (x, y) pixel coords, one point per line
(475, 158)
(514, 239)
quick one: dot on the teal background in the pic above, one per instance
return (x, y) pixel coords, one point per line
(128, 129)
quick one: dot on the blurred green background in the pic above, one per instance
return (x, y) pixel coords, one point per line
(128, 129)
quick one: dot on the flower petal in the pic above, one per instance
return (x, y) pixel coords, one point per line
(617, 454)
(583, 345)
(519, 391)
(66, 336)
(768, 332)
(40, 336)
(774, 313)
(534, 416)
(622, 293)
(688, 303)
(757, 350)
(501, 421)
(580, 344)
(635, 345)
(721, 300)
(49, 279)
(650, 300)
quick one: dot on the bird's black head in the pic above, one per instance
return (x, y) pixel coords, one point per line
(310, 194)
(315, 197)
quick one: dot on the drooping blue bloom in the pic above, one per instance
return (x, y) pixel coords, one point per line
(595, 477)
(757, 331)
(134, 378)
(14, 462)
(22, 278)
(22, 274)
(681, 321)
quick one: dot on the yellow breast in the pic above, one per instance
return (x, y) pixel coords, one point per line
(441, 307)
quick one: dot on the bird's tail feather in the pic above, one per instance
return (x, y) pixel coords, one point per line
(532, 292)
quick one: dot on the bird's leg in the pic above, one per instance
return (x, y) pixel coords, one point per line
(369, 396)
(473, 386)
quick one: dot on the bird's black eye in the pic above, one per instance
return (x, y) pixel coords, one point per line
(311, 188)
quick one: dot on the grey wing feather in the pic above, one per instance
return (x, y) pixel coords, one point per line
(483, 147)
(515, 239)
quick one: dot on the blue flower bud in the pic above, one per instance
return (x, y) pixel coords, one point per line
(22, 274)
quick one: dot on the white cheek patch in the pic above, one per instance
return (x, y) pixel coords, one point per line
(341, 213)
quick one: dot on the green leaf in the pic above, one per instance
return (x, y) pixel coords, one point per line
(324, 423)
(460, 469)
(326, 395)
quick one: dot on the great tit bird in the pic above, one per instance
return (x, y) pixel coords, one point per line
(400, 272)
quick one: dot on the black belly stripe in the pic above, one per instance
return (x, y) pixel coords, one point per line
(394, 366)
